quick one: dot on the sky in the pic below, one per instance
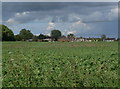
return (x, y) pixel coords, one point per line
(87, 19)
(59, 0)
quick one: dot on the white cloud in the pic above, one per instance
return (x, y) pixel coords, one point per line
(17, 17)
(37, 34)
(11, 21)
(71, 32)
(48, 34)
(95, 16)
(66, 32)
(21, 14)
(51, 26)
(24, 13)
(78, 23)
(113, 14)
(17, 14)
(74, 17)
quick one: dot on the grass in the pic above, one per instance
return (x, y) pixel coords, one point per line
(60, 64)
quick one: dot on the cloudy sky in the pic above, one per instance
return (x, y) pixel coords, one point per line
(87, 19)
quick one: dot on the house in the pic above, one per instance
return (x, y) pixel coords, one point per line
(80, 39)
(88, 39)
(39, 40)
(64, 39)
(118, 39)
(29, 40)
(110, 39)
(96, 39)
(47, 40)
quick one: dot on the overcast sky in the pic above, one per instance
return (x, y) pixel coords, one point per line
(88, 19)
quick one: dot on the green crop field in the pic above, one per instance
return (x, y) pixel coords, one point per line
(60, 64)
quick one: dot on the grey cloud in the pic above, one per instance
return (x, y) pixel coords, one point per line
(60, 13)
(10, 8)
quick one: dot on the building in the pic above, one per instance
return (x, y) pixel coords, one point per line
(110, 39)
(29, 40)
(64, 39)
(47, 40)
(80, 39)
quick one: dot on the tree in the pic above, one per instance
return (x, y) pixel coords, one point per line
(93, 39)
(81, 37)
(55, 34)
(35, 38)
(71, 35)
(18, 37)
(7, 34)
(26, 34)
(41, 36)
(99, 39)
(63, 36)
(47, 36)
(103, 37)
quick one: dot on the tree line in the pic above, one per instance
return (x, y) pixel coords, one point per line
(8, 35)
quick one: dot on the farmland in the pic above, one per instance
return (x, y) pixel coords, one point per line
(60, 64)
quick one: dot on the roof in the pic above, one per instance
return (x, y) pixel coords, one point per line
(110, 39)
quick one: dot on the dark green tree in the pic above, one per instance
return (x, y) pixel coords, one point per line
(47, 36)
(99, 39)
(55, 34)
(103, 37)
(7, 34)
(18, 37)
(63, 36)
(26, 34)
(93, 39)
(35, 38)
(81, 37)
(71, 36)
(41, 36)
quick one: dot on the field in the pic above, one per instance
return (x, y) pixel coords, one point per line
(60, 64)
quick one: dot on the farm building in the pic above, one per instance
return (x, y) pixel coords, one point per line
(47, 40)
(80, 39)
(65, 39)
(86, 39)
(109, 39)
(29, 40)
